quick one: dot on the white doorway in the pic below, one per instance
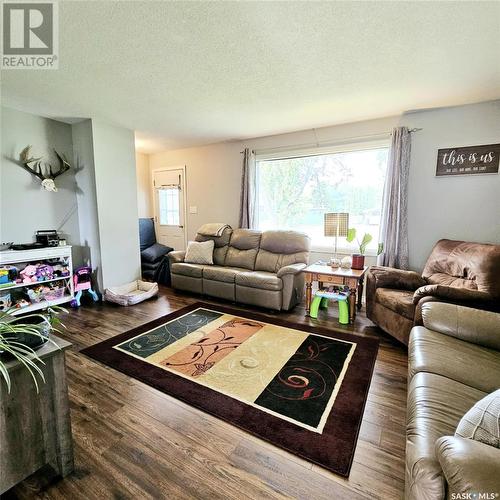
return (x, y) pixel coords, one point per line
(169, 195)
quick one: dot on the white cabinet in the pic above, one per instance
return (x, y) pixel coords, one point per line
(49, 255)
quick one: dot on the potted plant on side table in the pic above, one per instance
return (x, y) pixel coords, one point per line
(358, 259)
(21, 336)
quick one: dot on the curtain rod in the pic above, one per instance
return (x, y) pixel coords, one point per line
(330, 142)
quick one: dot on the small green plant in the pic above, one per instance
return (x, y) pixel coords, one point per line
(367, 238)
(14, 328)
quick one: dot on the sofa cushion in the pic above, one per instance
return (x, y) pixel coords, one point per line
(240, 258)
(221, 273)
(185, 269)
(455, 359)
(399, 301)
(471, 265)
(469, 467)
(259, 279)
(155, 252)
(147, 236)
(200, 252)
(282, 248)
(221, 244)
(245, 239)
(482, 421)
(285, 242)
(435, 406)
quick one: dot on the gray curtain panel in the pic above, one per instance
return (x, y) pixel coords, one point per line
(394, 223)
(248, 190)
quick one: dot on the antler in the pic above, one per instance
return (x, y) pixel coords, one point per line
(38, 170)
(63, 167)
(25, 158)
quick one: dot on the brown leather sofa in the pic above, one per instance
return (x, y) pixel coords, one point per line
(251, 267)
(454, 361)
(456, 271)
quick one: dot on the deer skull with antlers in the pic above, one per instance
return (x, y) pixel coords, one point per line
(44, 171)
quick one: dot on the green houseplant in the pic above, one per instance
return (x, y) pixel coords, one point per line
(358, 259)
(20, 336)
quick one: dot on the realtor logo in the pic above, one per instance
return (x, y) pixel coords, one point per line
(30, 35)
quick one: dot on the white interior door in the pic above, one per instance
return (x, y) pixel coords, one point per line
(170, 203)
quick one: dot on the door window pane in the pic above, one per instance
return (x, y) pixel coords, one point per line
(168, 199)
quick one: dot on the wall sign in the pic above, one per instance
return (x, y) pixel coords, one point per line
(468, 160)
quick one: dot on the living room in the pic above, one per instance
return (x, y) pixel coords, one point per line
(250, 250)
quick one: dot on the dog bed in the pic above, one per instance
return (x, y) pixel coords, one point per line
(131, 293)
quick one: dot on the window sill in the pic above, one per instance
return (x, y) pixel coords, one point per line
(340, 251)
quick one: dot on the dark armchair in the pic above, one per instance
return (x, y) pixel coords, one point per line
(458, 272)
(154, 261)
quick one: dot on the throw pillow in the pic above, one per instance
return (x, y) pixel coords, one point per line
(482, 421)
(200, 252)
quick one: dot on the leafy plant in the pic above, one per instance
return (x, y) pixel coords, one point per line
(13, 328)
(367, 238)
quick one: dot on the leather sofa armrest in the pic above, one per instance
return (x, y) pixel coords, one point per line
(464, 323)
(291, 269)
(389, 277)
(451, 294)
(176, 256)
(469, 466)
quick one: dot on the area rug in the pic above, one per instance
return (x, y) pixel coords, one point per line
(300, 387)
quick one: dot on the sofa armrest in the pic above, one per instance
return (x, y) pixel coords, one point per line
(469, 466)
(389, 277)
(451, 294)
(464, 323)
(291, 269)
(176, 256)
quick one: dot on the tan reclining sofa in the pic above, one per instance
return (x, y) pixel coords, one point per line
(251, 267)
(454, 361)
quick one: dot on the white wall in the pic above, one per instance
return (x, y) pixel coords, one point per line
(24, 206)
(463, 207)
(144, 205)
(460, 207)
(83, 151)
(116, 190)
(213, 178)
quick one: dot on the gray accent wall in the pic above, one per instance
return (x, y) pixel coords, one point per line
(461, 207)
(24, 206)
(96, 205)
(465, 207)
(83, 154)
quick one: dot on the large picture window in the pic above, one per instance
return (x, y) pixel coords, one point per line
(295, 192)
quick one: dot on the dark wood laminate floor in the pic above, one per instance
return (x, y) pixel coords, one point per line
(132, 441)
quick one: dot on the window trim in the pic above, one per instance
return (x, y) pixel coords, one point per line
(345, 147)
(321, 150)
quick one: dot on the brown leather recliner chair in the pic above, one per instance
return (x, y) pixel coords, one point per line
(458, 272)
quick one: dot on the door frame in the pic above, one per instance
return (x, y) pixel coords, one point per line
(184, 198)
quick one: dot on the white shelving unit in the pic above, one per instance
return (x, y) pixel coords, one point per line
(16, 257)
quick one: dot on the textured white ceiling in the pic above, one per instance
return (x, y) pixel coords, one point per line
(188, 73)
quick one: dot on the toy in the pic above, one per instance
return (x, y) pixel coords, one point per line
(36, 294)
(60, 271)
(8, 275)
(4, 276)
(82, 281)
(28, 274)
(5, 301)
(321, 298)
(21, 303)
(44, 272)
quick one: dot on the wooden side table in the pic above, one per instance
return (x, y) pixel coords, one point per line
(353, 278)
(35, 429)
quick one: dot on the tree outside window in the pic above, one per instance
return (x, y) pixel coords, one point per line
(294, 193)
